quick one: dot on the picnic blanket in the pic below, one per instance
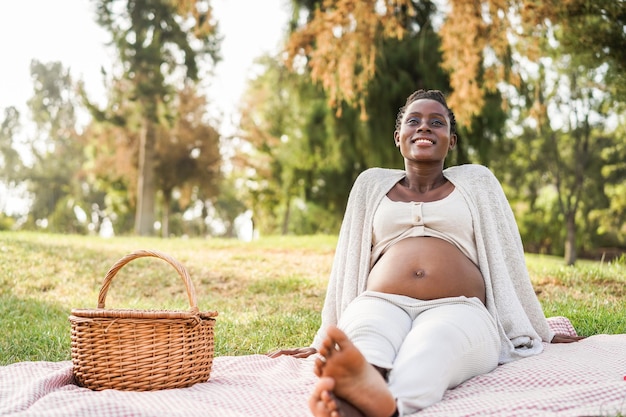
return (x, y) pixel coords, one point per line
(587, 378)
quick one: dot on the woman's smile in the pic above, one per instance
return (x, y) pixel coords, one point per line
(423, 141)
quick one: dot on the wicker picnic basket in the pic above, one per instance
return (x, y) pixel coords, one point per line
(142, 350)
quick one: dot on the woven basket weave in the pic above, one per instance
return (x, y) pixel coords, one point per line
(142, 350)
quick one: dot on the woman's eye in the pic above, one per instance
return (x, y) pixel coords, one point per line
(412, 121)
(438, 122)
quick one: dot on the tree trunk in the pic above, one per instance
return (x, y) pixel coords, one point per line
(144, 216)
(570, 239)
(285, 226)
(165, 221)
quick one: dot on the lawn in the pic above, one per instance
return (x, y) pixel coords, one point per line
(268, 292)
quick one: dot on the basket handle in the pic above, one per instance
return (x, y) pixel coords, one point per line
(191, 292)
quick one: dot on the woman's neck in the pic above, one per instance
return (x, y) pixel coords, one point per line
(424, 180)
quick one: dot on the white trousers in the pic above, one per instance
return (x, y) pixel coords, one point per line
(428, 346)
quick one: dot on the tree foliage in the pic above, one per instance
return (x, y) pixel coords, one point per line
(273, 119)
(156, 39)
(54, 177)
(188, 158)
(480, 42)
(341, 41)
(112, 148)
(10, 160)
(11, 166)
(593, 31)
(556, 165)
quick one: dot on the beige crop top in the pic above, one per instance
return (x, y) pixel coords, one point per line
(448, 219)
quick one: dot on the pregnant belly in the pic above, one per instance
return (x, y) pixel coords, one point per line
(426, 268)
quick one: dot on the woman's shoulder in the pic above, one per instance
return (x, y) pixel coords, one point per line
(377, 173)
(469, 173)
(376, 180)
(465, 169)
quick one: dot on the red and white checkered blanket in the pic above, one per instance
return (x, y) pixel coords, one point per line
(579, 379)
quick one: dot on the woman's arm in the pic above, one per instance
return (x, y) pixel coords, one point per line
(565, 338)
(304, 352)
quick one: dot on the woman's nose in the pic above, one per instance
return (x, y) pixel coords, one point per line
(422, 126)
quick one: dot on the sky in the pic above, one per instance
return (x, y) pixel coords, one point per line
(66, 31)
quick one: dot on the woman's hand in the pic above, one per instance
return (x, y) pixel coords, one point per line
(564, 338)
(300, 353)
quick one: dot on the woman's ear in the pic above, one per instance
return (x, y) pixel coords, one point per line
(396, 138)
(453, 140)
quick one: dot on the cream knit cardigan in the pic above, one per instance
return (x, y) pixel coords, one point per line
(511, 299)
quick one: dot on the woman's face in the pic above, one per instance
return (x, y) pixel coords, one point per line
(424, 134)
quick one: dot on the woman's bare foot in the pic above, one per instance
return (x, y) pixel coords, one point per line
(321, 402)
(325, 404)
(344, 372)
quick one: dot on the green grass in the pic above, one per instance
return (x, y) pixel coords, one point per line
(591, 294)
(268, 293)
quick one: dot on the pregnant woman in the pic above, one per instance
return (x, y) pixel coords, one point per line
(429, 285)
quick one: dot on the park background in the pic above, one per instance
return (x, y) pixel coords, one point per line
(155, 149)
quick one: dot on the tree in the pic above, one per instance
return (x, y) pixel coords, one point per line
(271, 120)
(112, 148)
(54, 175)
(610, 221)
(592, 31)
(557, 162)
(10, 161)
(481, 43)
(188, 155)
(340, 42)
(342, 38)
(155, 39)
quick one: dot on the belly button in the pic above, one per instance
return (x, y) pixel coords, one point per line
(420, 273)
